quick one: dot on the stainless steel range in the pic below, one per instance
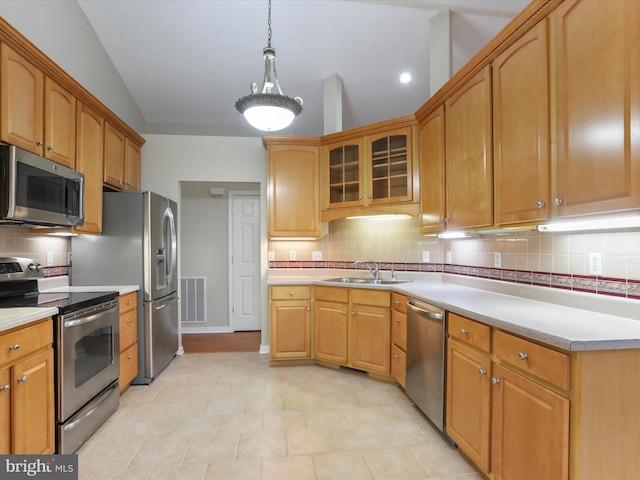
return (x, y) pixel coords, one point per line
(87, 331)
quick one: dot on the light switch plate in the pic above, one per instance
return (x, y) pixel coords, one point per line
(292, 254)
(272, 256)
(49, 259)
(497, 260)
(316, 255)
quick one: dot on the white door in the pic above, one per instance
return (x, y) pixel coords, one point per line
(245, 261)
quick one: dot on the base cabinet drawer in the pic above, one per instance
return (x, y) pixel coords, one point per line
(399, 365)
(128, 366)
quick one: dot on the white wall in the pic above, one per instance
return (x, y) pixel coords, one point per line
(168, 160)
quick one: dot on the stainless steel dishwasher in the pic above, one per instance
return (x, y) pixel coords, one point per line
(426, 359)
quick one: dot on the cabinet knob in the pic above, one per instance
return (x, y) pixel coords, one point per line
(130, 302)
(398, 321)
(130, 357)
(522, 356)
(446, 219)
(464, 331)
(557, 201)
(360, 197)
(353, 314)
(397, 302)
(40, 143)
(308, 309)
(14, 348)
(6, 388)
(369, 196)
(291, 294)
(482, 372)
(129, 321)
(540, 204)
(440, 220)
(22, 379)
(343, 312)
(396, 356)
(50, 148)
(495, 381)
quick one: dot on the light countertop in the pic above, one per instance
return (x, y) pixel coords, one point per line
(17, 317)
(565, 327)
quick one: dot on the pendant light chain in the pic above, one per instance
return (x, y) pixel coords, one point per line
(269, 23)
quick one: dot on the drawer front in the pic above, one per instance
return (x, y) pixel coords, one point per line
(291, 292)
(128, 329)
(128, 366)
(399, 329)
(470, 332)
(399, 365)
(399, 302)
(363, 296)
(331, 294)
(543, 362)
(128, 301)
(20, 343)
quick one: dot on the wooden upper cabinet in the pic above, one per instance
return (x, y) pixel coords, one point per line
(390, 167)
(21, 102)
(598, 73)
(132, 159)
(59, 124)
(89, 161)
(293, 190)
(114, 153)
(521, 130)
(432, 168)
(469, 164)
(343, 163)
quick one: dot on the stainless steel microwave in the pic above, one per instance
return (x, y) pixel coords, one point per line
(37, 191)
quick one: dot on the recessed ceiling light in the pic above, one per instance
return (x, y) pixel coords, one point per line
(405, 78)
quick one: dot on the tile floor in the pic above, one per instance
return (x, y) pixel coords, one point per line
(230, 416)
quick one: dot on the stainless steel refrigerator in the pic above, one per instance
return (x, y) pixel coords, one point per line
(138, 246)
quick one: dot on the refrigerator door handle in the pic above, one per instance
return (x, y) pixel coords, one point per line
(169, 238)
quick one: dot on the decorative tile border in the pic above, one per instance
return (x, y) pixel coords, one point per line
(616, 287)
(58, 271)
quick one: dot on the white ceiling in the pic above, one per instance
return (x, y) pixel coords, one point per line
(186, 62)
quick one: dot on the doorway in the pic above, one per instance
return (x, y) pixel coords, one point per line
(244, 261)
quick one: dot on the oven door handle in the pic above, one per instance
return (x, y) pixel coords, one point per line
(93, 406)
(89, 315)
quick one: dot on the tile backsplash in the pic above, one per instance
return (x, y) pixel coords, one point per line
(18, 241)
(399, 242)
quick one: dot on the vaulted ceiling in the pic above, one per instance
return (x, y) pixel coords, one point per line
(186, 62)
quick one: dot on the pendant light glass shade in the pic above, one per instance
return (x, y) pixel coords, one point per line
(269, 109)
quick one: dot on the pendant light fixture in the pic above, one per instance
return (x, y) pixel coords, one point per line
(269, 109)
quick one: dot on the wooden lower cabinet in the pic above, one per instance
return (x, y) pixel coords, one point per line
(399, 338)
(529, 430)
(290, 322)
(27, 409)
(128, 339)
(468, 409)
(370, 340)
(330, 331)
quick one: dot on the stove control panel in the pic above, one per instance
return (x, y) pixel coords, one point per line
(18, 268)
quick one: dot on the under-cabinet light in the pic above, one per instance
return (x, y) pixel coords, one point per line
(391, 216)
(594, 224)
(450, 235)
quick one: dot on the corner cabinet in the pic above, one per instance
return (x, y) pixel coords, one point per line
(27, 410)
(598, 73)
(469, 161)
(293, 192)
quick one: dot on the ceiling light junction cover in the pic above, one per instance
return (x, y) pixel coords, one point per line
(269, 110)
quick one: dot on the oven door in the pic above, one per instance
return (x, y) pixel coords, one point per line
(87, 355)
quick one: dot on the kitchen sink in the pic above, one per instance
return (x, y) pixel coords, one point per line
(366, 281)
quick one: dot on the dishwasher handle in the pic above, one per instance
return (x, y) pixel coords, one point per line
(434, 315)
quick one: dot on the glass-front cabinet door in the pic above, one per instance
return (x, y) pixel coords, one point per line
(389, 159)
(345, 174)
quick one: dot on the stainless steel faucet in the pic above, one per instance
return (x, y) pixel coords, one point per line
(375, 270)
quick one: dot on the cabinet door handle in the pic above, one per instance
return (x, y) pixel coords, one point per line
(522, 356)
(6, 388)
(495, 381)
(464, 331)
(540, 204)
(482, 372)
(22, 379)
(557, 201)
(14, 348)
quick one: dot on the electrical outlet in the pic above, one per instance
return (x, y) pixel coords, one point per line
(292, 254)
(68, 258)
(448, 257)
(316, 255)
(497, 260)
(595, 264)
(426, 256)
(272, 256)
(49, 259)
